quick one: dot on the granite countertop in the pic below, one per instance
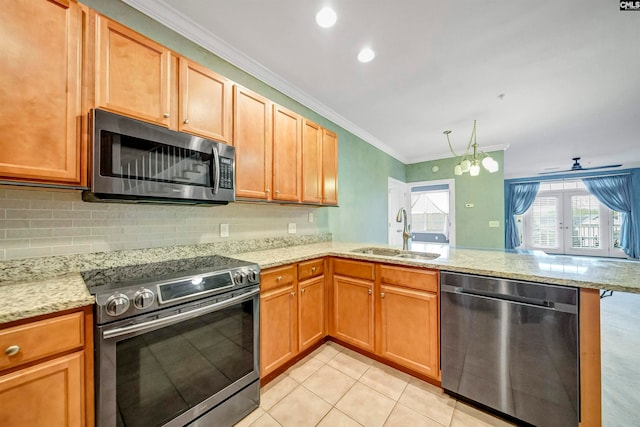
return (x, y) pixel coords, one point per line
(584, 272)
(38, 286)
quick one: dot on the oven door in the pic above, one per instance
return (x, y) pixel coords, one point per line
(172, 366)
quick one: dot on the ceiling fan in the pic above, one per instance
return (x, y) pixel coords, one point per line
(577, 167)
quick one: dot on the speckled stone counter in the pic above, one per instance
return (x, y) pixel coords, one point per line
(38, 286)
(618, 275)
(36, 297)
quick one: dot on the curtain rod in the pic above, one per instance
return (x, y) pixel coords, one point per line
(567, 178)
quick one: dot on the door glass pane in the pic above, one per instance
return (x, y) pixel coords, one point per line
(544, 222)
(585, 222)
(616, 226)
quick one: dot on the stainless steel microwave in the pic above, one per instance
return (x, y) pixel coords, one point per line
(135, 161)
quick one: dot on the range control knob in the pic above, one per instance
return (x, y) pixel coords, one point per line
(240, 278)
(143, 298)
(252, 275)
(117, 304)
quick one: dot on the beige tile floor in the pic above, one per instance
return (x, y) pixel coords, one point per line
(335, 387)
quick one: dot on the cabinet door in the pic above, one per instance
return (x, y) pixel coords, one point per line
(278, 332)
(409, 328)
(46, 394)
(329, 168)
(40, 88)
(311, 162)
(252, 139)
(287, 154)
(353, 311)
(132, 73)
(311, 312)
(205, 102)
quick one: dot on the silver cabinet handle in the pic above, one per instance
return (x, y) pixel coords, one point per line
(381, 294)
(186, 121)
(369, 291)
(166, 115)
(293, 294)
(12, 350)
(279, 278)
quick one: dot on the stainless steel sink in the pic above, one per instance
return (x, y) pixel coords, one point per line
(418, 255)
(397, 253)
(378, 251)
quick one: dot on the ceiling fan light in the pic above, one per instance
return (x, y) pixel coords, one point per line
(457, 170)
(465, 165)
(474, 170)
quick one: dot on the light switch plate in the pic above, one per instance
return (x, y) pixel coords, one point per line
(310, 216)
(224, 230)
(292, 228)
(494, 224)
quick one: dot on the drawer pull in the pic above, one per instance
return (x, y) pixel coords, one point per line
(313, 269)
(369, 292)
(293, 294)
(302, 290)
(12, 350)
(381, 294)
(279, 278)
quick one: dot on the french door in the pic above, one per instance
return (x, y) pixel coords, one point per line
(572, 223)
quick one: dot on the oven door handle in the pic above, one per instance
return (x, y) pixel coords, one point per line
(164, 321)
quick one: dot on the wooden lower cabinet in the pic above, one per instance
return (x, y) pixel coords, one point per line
(409, 328)
(278, 327)
(353, 311)
(46, 371)
(311, 312)
(47, 394)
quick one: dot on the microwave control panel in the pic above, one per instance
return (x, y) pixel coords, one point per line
(226, 173)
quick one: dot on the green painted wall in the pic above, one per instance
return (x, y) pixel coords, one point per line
(362, 169)
(485, 191)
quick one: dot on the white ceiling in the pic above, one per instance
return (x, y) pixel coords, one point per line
(570, 71)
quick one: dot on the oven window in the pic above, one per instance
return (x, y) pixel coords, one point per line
(138, 159)
(164, 373)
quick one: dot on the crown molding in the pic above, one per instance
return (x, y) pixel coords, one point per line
(173, 19)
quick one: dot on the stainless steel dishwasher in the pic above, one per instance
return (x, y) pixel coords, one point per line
(511, 346)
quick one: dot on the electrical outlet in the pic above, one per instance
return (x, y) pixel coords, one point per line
(292, 228)
(494, 224)
(310, 216)
(224, 230)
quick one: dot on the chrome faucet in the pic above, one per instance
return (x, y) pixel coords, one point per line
(406, 232)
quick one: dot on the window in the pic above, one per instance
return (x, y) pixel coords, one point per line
(566, 219)
(431, 213)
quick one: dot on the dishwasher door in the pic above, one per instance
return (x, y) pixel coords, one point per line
(511, 346)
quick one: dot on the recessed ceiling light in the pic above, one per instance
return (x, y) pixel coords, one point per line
(366, 55)
(326, 17)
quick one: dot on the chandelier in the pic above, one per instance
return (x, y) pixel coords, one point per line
(470, 161)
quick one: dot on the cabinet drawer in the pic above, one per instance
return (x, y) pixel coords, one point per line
(426, 280)
(310, 269)
(362, 270)
(276, 277)
(41, 339)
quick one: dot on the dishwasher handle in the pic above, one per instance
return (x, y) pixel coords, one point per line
(550, 305)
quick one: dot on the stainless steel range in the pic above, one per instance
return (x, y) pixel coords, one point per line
(177, 343)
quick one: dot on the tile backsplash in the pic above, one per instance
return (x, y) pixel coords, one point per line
(37, 223)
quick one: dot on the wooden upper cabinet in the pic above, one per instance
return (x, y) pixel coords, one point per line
(132, 73)
(329, 168)
(287, 154)
(311, 162)
(41, 87)
(205, 102)
(253, 143)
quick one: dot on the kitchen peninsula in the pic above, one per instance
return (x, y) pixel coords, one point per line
(41, 286)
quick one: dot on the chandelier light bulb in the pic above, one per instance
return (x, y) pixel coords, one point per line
(487, 162)
(457, 170)
(494, 167)
(465, 165)
(474, 170)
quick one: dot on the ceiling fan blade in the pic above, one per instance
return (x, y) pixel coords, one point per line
(580, 169)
